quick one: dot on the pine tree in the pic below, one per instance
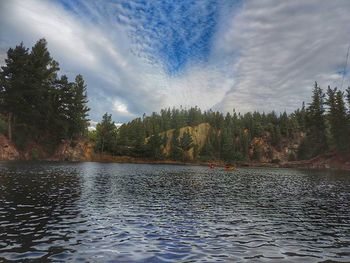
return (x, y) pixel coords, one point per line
(227, 147)
(186, 141)
(13, 78)
(78, 109)
(316, 125)
(61, 100)
(332, 111)
(245, 139)
(39, 106)
(276, 137)
(42, 76)
(175, 151)
(154, 146)
(106, 135)
(343, 142)
(207, 152)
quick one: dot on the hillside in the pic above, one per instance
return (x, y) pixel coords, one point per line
(200, 134)
(79, 150)
(8, 150)
(83, 150)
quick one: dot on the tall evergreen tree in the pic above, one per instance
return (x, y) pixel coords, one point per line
(175, 151)
(106, 134)
(339, 123)
(316, 125)
(344, 126)
(78, 109)
(154, 144)
(186, 141)
(42, 76)
(13, 78)
(227, 147)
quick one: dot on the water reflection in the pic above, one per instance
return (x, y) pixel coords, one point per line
(38, 203)
(123, 212)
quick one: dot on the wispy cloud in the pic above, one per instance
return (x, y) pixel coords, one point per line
(140, 56)
(284, 47)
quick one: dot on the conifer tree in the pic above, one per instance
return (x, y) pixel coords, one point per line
(106, 134)
(227, 148)
(78, 109)
(186, 141)
(175, 151)
(42, 75)
(40, 106)
(343, 142)
(154, 146)
(316, 125)
(13, 78)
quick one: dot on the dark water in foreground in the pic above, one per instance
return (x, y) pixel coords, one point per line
(159, 213)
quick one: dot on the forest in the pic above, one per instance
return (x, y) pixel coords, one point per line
(38, 104)
(324, 125)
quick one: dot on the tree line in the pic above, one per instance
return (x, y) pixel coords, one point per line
(324, 125)
(36, 103)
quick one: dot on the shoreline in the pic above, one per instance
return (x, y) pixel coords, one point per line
(319, 162)
(305, 164)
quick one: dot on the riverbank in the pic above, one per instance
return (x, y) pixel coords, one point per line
(330, 160)
(83, 151)
(104, 158)
(327, 161)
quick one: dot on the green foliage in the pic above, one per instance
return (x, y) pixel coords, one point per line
(186, 141)
(316, 141)
(231, 135)
(237, 156)
(276, 136)
(175, 152)
(257, 153)
(276, 161)
(35, 154)
(154, 145)
(92, 136)
(106, 134)
(292, 157)
(37, 105)
(338, 120)
(34, 99)
(208, 152)
(3, 126)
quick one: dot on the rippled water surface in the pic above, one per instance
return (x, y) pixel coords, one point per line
(161, 213)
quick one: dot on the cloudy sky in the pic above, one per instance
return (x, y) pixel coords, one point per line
(141, 56)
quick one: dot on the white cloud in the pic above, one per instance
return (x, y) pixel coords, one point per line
(121, 108)
(284, 46)
(92, 125)
(264, 56)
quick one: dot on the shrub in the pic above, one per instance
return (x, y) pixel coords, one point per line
(35, 154)
(3, 126)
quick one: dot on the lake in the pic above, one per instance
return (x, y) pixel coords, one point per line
(97, 212)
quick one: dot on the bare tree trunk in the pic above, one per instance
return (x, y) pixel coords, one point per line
(9, 128)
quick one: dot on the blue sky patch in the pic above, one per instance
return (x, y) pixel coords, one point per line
(172, 33)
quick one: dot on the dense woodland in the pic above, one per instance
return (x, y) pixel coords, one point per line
(324, 125)
(36, 104)
(39, 105)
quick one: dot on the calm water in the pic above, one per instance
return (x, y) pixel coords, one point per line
(161, 213)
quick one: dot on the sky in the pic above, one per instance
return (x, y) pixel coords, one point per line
(139, 56)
